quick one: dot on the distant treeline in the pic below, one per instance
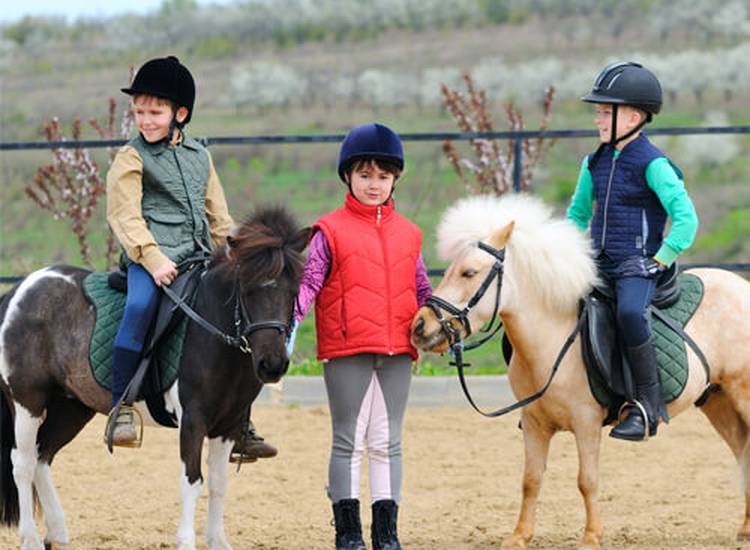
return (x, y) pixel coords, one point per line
(215, 31)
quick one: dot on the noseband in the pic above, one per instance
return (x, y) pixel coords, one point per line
(437, 305)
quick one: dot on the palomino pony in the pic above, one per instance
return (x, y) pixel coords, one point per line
(49, 393)
(546, 271)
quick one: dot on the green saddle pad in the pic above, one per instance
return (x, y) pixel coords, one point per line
(110, 306)
(671, 353)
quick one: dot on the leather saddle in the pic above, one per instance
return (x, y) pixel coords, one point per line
(603, 353)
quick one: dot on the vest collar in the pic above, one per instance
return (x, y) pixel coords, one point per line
(160, 146)
(366, 211)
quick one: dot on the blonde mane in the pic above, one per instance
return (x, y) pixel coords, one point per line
(550, 255)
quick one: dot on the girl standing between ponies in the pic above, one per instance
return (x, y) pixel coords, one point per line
(367, 277)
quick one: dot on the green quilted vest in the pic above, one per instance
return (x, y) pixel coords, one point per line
(174, 195)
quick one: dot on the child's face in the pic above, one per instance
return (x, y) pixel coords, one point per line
(153, 117)
(370, 184)
(627, 119)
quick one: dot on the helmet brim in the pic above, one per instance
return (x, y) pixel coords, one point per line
(599, 98)
(399, 162)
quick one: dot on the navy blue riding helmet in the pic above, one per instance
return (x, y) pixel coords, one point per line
(370, 141)
(167, 78)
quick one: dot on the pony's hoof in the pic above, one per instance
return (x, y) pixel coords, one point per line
(515, 542)
(743, 537)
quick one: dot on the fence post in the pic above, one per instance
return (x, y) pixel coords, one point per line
(517, 163)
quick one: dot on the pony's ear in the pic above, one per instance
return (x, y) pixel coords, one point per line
(300, 240)
(500, 237)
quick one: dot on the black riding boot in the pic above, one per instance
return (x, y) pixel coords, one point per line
(348, 526)
(647, 393)
(384, 519)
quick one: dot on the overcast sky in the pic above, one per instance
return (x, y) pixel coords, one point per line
(73, 9)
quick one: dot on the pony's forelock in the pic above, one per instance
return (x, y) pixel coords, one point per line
(262, 248)
(476, 218)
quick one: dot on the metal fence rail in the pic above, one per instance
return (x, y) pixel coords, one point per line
(516, 137)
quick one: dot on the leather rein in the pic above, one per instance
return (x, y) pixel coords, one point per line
(455, 341)
(241, 317)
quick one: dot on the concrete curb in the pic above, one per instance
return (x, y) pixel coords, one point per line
(428, 391)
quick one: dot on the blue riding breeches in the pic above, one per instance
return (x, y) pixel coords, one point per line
(634, 295)
(140, 310)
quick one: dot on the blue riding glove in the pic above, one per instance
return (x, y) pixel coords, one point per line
(653, 267)
(290, 339)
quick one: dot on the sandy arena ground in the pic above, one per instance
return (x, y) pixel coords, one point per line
(462, 487)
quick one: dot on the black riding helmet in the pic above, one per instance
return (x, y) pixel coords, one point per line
(627, 83)
(167, 78)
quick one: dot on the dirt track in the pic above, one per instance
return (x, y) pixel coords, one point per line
(462, 487)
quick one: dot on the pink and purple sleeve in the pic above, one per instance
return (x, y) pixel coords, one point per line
(317, 266)
(424, 289)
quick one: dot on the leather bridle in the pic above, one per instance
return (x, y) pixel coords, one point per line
(438, 305)
(244, 326)
(457, 346)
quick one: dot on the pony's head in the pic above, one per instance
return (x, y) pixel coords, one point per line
(264, 257)
(523, 247)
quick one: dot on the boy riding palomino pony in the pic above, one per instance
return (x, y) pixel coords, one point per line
(634, 188)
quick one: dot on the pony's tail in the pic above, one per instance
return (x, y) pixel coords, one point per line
(9, 511)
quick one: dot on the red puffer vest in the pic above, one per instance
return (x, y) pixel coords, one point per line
(370, 297)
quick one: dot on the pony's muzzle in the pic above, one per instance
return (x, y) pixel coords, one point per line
(426, 332)
(271, 369)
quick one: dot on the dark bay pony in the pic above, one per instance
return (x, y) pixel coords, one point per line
(49, 393)
(546, 270)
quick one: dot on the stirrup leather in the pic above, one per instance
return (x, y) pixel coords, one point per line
(112, 423)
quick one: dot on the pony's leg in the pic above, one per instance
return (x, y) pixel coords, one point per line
(191, 441)
(536, 438)
(588, 440)
(24, 457)
(218, 467)
(729, 423)
(65, 418)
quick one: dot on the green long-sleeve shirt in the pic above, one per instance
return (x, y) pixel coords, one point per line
(669, 188)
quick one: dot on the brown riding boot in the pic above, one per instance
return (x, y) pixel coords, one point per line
(251, 447)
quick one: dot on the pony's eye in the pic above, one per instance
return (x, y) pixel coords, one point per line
(469, 273)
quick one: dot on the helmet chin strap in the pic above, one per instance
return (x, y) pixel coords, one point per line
(613, 139)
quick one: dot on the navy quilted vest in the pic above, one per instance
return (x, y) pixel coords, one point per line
(629, 219)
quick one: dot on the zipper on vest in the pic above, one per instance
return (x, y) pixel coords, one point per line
(606, 202)
(188, 194)
(387, 282)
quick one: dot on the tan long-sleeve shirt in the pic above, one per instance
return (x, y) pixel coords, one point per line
(124, 194)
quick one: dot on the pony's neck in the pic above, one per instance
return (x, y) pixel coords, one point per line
(536, 333)
(216, 299)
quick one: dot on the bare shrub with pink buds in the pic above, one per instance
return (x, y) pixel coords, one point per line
(492, 165)
(71, 185)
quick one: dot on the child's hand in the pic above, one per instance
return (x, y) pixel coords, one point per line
(165, 274)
